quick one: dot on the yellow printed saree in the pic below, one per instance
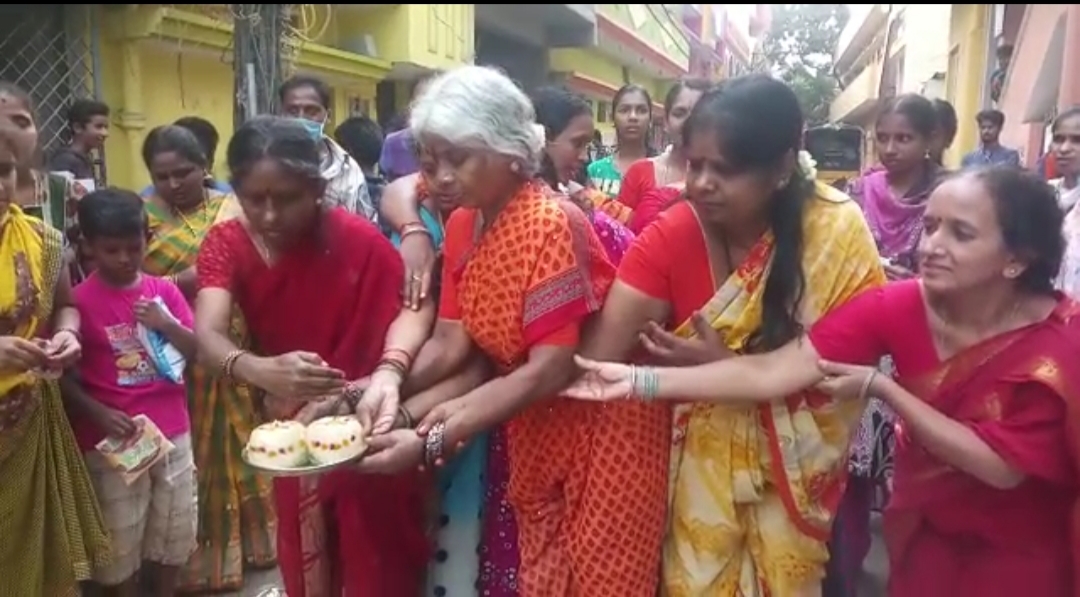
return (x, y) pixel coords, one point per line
(754, 489)
(53, 535)
(237, 522)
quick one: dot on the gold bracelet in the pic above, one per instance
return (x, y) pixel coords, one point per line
(404, 412)
(229, 363)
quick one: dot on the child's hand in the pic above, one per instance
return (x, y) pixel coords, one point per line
(114, 423)
(150, 314)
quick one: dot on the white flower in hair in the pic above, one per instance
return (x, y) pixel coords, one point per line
(807, 165)
(540, 132)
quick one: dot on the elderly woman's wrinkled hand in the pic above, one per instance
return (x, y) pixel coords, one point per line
(394, 452)
(418, 254)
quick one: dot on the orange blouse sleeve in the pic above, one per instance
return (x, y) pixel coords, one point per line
(639, 177)
(566, 285)
(456, 243)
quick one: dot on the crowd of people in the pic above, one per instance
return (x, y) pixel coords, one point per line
(693, 372)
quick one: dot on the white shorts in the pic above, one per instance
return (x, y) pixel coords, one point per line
(154, 519)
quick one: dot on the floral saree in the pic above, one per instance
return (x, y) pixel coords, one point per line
(237, 522)
(54, 534)
(754, 489)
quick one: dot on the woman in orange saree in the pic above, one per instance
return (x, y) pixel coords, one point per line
(523, 271)
(747, 514)
(987, 474)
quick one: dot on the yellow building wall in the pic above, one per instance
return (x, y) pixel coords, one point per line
(596, 65)
(155, 70)
(967, 68)
(433, 36)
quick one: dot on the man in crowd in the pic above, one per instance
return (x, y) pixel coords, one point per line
(308, 100)
(990, 151)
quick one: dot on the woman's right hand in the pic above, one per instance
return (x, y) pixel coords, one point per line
(600, 381)
(297, 375)
(418, 253)
(18, 355)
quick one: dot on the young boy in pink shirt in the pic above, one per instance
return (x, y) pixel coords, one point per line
(154, 517)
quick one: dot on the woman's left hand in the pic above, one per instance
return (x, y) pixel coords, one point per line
(671, 350)
(452, 414)
(378, 407)
(394, 452)
(64, 348)
(848, 381)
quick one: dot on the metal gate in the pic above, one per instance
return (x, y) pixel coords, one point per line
(51, 51)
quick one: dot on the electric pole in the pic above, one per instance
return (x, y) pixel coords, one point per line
(260, 37)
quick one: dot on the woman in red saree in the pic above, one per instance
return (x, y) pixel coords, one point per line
(985, 500)
(319, 291)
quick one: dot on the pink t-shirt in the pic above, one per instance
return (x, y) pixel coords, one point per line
(115, 368)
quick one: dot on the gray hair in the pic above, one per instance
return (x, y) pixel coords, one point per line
(478, 107)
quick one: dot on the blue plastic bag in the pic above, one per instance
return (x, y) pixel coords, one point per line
(166, 358)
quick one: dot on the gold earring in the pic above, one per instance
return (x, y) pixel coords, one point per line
(1011, 272)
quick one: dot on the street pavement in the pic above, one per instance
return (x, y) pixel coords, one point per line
(256, 582)
(875, 570)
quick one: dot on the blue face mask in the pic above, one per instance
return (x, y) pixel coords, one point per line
(315, 129)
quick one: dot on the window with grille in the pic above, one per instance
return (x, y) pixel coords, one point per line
(46, 50)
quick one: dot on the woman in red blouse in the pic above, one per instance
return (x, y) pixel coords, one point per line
(670, 166)
(987, 473)
(318, 288)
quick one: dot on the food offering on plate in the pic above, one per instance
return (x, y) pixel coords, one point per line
(289, 448)
(333, 439)
(278, 445)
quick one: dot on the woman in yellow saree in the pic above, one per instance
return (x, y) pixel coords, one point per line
(757, 251)
(236, 516)
(52, 528)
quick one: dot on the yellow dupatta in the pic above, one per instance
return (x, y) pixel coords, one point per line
(27, 277)
(742, 476)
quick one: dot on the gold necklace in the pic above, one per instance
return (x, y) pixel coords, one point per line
(939, 335)
(201, 212)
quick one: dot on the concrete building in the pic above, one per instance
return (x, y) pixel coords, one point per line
(1044, 75)
(153, 63)
(886, 50)
(635, 43)
(916, 53)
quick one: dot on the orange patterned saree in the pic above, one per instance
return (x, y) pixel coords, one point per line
(587, 487)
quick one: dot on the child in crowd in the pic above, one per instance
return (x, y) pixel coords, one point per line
(153, 518)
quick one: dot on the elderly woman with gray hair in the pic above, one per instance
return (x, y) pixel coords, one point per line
(523, 272)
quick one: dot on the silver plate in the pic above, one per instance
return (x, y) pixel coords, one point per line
(302, 471)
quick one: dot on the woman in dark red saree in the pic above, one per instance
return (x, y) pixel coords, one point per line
(987, 473)
(319, 291)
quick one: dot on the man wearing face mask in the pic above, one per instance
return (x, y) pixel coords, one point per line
(308, 100)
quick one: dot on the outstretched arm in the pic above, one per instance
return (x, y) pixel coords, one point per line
(753, 378)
